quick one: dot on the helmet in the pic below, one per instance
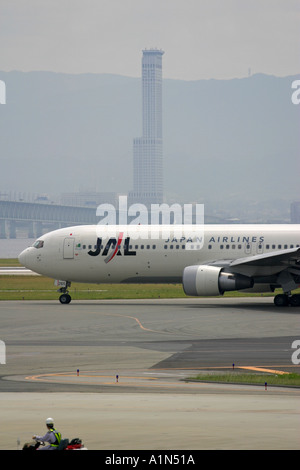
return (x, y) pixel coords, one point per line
(49, 421)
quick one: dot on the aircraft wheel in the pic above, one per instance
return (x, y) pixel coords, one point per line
(295, 300)
(65, 299)
(281, 300)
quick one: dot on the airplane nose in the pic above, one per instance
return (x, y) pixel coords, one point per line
(22, 257)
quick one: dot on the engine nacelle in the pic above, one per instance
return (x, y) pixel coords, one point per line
(211, 280)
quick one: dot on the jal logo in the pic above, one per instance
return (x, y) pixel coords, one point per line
(112, 248)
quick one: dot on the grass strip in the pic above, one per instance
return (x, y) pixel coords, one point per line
(22, 287)
(9, 262)
(291, 379)
(42, 288)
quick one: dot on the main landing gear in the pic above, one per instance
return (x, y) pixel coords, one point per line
(283, 300)
(65, 297)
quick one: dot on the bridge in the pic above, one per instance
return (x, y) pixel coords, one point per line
(36, 218)
(33, 219)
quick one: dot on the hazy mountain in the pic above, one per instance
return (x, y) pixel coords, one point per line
(224, 140)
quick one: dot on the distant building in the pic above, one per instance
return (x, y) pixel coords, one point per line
(295, 212)
(148, 149)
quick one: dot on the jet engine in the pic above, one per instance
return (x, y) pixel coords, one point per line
(211, 280)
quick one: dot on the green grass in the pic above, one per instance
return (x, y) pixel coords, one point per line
(9, 262)
(292, 379)
(42, 288)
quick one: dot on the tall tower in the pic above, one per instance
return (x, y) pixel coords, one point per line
(148, 149)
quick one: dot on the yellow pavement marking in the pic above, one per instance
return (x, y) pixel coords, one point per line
(263, 369)
(122, 379)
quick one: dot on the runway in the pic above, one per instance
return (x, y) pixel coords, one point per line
(123, 366)
(16, 271)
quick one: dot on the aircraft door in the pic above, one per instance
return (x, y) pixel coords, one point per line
(69, 248)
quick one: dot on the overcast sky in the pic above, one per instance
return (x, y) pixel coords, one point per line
(201, 38)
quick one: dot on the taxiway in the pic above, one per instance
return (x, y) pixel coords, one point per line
(116, 372)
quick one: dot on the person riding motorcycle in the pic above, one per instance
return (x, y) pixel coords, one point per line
(52, 436)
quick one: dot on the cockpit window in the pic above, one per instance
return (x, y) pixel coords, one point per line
(38, 244)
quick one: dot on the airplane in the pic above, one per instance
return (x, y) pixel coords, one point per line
(208, 260)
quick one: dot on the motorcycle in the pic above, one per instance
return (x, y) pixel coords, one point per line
(65, 444)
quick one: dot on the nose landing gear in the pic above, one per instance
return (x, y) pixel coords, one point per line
(65, 297)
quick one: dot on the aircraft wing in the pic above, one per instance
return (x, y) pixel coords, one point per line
(265, 264)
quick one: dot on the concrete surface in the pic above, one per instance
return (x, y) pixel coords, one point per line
(152, 346)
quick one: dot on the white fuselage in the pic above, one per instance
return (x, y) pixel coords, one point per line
(115, 254)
